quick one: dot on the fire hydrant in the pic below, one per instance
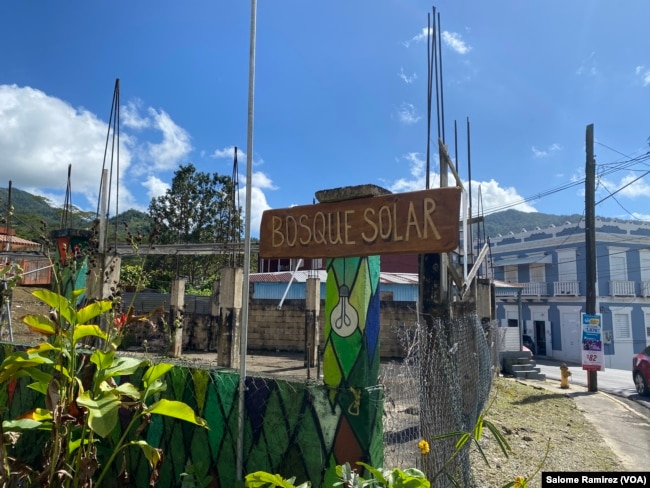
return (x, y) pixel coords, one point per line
(565, 374)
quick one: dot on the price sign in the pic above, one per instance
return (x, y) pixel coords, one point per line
(593, 354)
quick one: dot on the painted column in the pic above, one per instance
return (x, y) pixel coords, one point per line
(176, 305)
(312, 311)
(228, 319)
(351, 353)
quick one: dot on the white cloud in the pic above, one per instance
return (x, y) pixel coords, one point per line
(130, 116)
(258, 201)
(544, 153)
(644, 74)
(155, 187)
(41, 135)
(629, 188)
(407, 114)
(175, 145)
(451, 39)
(493, 195)
(229, 153)
(455, 42)
(588, 66)
(408, 79)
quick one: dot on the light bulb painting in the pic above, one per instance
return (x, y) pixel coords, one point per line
(344, 318)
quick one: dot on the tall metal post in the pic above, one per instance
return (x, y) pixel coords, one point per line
(590, 237)
(243, 338)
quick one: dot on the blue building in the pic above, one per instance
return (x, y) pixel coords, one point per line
(544, 288)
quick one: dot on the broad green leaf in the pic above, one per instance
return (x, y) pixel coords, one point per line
(59, 303)
(38, 414)
(102, 411)
(103, 359)
(43, 347)
(154, 372)
(121, 366)
(377, 474)
(20, 425)
(155, 387)
(261, 479)
(40, 324)
(81, 331)
(152, 454)
(178, 410)
(129, 390)
(93, 310)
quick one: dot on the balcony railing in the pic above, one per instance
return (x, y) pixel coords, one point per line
(621, 288)
(645, 290)
(566, 288)
(535, 289)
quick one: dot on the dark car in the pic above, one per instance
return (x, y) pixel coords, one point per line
(641, 371)
(528, 342)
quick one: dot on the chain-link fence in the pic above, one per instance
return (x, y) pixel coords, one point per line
(440, 387)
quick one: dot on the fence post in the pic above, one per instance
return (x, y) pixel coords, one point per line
(176, 304)
(228, 320)
(312, 310)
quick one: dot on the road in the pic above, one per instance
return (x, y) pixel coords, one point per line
(614, 381)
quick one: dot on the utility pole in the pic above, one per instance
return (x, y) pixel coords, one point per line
(590, 238)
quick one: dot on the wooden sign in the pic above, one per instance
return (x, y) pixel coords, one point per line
(401, 223)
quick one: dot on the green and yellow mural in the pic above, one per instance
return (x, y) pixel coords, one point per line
(351, 361)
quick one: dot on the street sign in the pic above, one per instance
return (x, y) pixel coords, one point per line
(424, 221)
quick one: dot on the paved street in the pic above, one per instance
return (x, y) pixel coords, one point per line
(614, 381)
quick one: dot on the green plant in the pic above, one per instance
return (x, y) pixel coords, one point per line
(410, 478)
(83, 398)
(261, 479)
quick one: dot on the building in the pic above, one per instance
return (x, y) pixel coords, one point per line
(544, 287)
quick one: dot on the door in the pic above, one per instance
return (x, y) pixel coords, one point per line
(571, 343)
(623, 344)
(540, 337)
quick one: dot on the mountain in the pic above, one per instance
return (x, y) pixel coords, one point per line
(516, 221)
(34, 216)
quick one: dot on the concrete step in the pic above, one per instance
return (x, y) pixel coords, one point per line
(525, 367)
(530, 375)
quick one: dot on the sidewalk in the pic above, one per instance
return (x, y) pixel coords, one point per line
(623, 425)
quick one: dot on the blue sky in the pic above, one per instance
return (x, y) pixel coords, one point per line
(340, 97)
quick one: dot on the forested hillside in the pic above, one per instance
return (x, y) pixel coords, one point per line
(31, 213)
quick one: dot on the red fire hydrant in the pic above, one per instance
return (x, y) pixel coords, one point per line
(565, 374)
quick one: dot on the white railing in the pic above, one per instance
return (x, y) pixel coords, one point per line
(621, 288)
(645, 289)
(566, 288)
(536, 288)
(505, 292)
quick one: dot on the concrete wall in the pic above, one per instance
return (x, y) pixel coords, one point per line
(270, 329)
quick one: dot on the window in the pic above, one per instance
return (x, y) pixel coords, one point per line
(622, 326)
(566, 259)
(617, 265)
(537, 274)
(510, 274)
(513, 323)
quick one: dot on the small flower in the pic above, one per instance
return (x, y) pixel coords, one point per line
(424, 447)
(520, 482)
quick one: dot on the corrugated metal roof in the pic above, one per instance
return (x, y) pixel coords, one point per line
(18, 242)
(301, 277)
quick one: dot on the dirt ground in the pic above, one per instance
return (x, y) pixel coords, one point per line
(24, 303)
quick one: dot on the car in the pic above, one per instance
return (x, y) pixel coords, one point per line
(528, 342)
(641, 371)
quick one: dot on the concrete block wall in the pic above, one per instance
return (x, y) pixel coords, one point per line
(283, 330)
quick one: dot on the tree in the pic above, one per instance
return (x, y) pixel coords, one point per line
(198, 208)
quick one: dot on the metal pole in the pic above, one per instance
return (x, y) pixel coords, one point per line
(247, 246)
